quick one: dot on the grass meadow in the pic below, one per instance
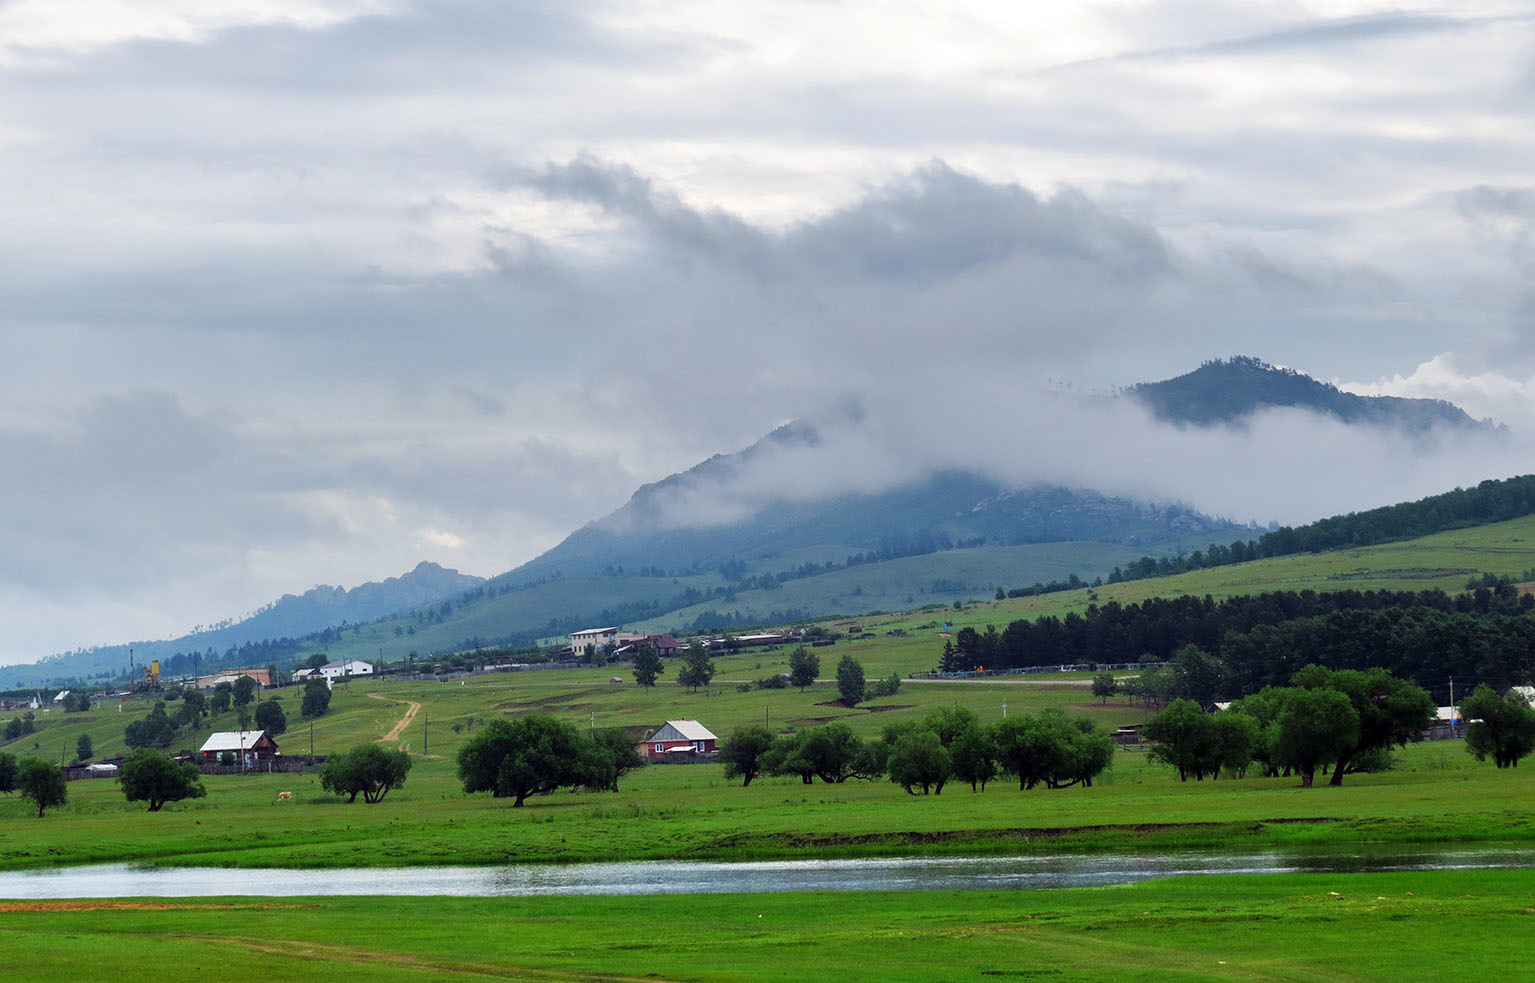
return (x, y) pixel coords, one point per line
(1312, 927)
(1391, 928)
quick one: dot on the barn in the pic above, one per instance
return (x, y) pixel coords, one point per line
(680, 740)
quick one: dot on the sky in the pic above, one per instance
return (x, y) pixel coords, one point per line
(308, 292)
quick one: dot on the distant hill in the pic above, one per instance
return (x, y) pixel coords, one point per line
(291, 616)
(943, 511)
(1230, 391)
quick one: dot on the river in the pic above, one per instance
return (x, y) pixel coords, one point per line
(669, 877)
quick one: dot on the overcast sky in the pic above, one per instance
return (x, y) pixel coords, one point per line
(297, 293)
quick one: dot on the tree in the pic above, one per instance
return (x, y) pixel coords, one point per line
(835, 754)
(76, 702)
(84, 749)
(190, 713)
(1105, 686)
(316, 699)
(244, 691)
(1316, 726)
(786, 756)
(974, 757)
(316, 661)
(222, 694)
(1391, 711)
(1183, 736)
(920, 759)
(531, 755)
(150, 776)
(647, 664)
(7, 772)
(41, 784)
(1198, 675)
(616, 756)
(804, 667)
(155, 730)
(369, 769)
(270, 717)
(697, 667)
(850, 680)
(1502, 727)
(1052, 749)
(743, 752)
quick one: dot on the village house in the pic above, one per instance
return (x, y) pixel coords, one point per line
(245, 745)
(597, 638)
(680, 740)
(619, 644)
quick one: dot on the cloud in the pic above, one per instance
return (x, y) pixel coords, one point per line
(294, 292)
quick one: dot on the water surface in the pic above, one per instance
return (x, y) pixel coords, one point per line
(675, 877)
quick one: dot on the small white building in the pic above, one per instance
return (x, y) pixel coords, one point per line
(335, 670)
(598, 638)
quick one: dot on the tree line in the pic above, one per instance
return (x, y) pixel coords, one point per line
(922, 756)
(1490, 501)
(1260, 640)
(1337, 720)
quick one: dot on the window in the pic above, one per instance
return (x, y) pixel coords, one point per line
(660, 748)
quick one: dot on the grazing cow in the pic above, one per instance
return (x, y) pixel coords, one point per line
(284, 795)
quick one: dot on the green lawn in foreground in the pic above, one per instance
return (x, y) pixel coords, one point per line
(1392, 928)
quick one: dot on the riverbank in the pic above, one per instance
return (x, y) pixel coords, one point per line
(1438, 795)
(1391, 928)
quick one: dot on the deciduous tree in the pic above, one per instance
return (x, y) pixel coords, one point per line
(42, 784)
(743, 751)
(804, 666)
(919, 760)
(850, 685)
(150, 776)
(697, 667)
(368, 769)
(647, 664)
(1391, 711)
(316, 699)
(1315, 726)
(531, 755)
(270, 717)
(1502, 727)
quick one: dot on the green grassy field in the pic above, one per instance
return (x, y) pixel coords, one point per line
(1437, 794)
(1392, 928)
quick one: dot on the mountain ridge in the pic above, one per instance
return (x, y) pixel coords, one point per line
(1233, 390)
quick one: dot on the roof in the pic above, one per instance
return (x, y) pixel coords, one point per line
(594, 631)
(686, 730)
(231, 740)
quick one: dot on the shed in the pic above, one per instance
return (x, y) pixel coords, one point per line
(680, 740)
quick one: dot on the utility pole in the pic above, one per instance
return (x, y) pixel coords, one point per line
(426, 723)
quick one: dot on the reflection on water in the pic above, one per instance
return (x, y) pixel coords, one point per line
(669, 877)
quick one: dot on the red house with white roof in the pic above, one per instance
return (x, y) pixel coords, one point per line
(680, 740)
